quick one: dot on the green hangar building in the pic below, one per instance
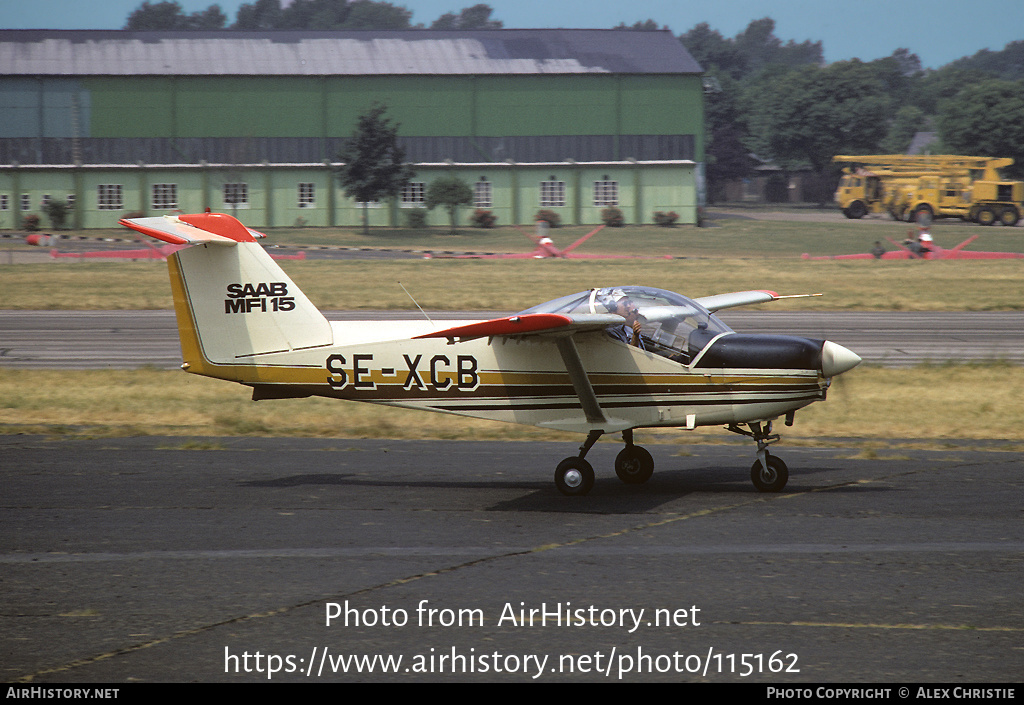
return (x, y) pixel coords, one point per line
(251, 123)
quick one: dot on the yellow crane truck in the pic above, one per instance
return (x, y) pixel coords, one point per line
(924, 186)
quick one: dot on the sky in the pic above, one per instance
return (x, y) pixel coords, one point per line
(938, 31)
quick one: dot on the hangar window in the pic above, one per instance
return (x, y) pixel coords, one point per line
(552, 193)
(236, 195)
(110, 197)
(26, 202)
(606, 193)
(412, 195)
(165, 197)
(5, 203)
(483, 194)
(307, 195)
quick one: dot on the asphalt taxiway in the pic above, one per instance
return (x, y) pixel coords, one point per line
(127, 339)
(173, 560)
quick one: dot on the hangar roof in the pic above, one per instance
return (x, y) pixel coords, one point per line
(352, 53)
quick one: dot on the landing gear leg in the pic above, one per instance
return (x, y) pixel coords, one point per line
(634, 465)
(574, 476)
(768, 473)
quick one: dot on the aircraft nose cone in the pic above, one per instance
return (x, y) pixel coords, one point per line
(835, 359)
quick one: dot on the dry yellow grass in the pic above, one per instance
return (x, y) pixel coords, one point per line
(515, 285)
(927, 403)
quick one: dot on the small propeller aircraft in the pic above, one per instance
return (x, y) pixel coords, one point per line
(606, 360)
(545, 249)
(924, 248)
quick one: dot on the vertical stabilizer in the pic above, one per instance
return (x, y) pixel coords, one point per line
(240, 305)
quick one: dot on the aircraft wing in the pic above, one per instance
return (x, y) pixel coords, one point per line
(743, 298)
(561, 327)
(529, 324)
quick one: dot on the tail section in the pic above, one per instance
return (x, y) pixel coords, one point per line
(236, 308)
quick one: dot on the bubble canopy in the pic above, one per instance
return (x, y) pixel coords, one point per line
(672, 324)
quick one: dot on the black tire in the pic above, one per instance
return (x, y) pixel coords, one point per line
(1009, 216)
(986, 215)
(923, 215)
(856, 210)
(574, 477)
(771, 480)
(634, 465)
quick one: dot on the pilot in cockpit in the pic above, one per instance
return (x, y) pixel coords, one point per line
(620, 304)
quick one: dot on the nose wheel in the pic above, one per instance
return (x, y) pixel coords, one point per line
(768, 473)
(771, 476)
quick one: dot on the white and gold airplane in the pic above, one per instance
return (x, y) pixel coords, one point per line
(606, 360)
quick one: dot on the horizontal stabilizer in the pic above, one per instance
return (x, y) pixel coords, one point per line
(194, 229)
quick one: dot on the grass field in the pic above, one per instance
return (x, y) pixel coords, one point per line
(873, 404)
(735, 253)
(516, 285)
(961, 401)
(734, 233)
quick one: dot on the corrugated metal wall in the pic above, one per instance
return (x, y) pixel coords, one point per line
(186, 120)
(312, 150)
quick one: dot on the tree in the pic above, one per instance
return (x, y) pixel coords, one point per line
(1007, 64)
(645, 26)
(373, 164)
(260, 15)
(909, 120)
(751, 51)
(726, 156)
(804, 117)
(365, 14)
(759, 47)
(476, 17)
(57, 211)
(321, 15)
(712, 50)
(450, 192)
(986, 119)
(168, 16)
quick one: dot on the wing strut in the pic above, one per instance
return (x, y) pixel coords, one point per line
(580, 381)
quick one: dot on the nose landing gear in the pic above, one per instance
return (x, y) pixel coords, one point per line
(768, 473)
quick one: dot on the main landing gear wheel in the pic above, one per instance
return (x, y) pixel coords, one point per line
(770, 479)
(574, 477)
(1009, 216)
(634, 465)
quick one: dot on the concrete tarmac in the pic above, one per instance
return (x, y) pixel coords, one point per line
(174, 560)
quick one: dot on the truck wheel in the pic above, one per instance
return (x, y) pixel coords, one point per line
(923, 215)
(856, 210)
(1009, 216)
(986, 215)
